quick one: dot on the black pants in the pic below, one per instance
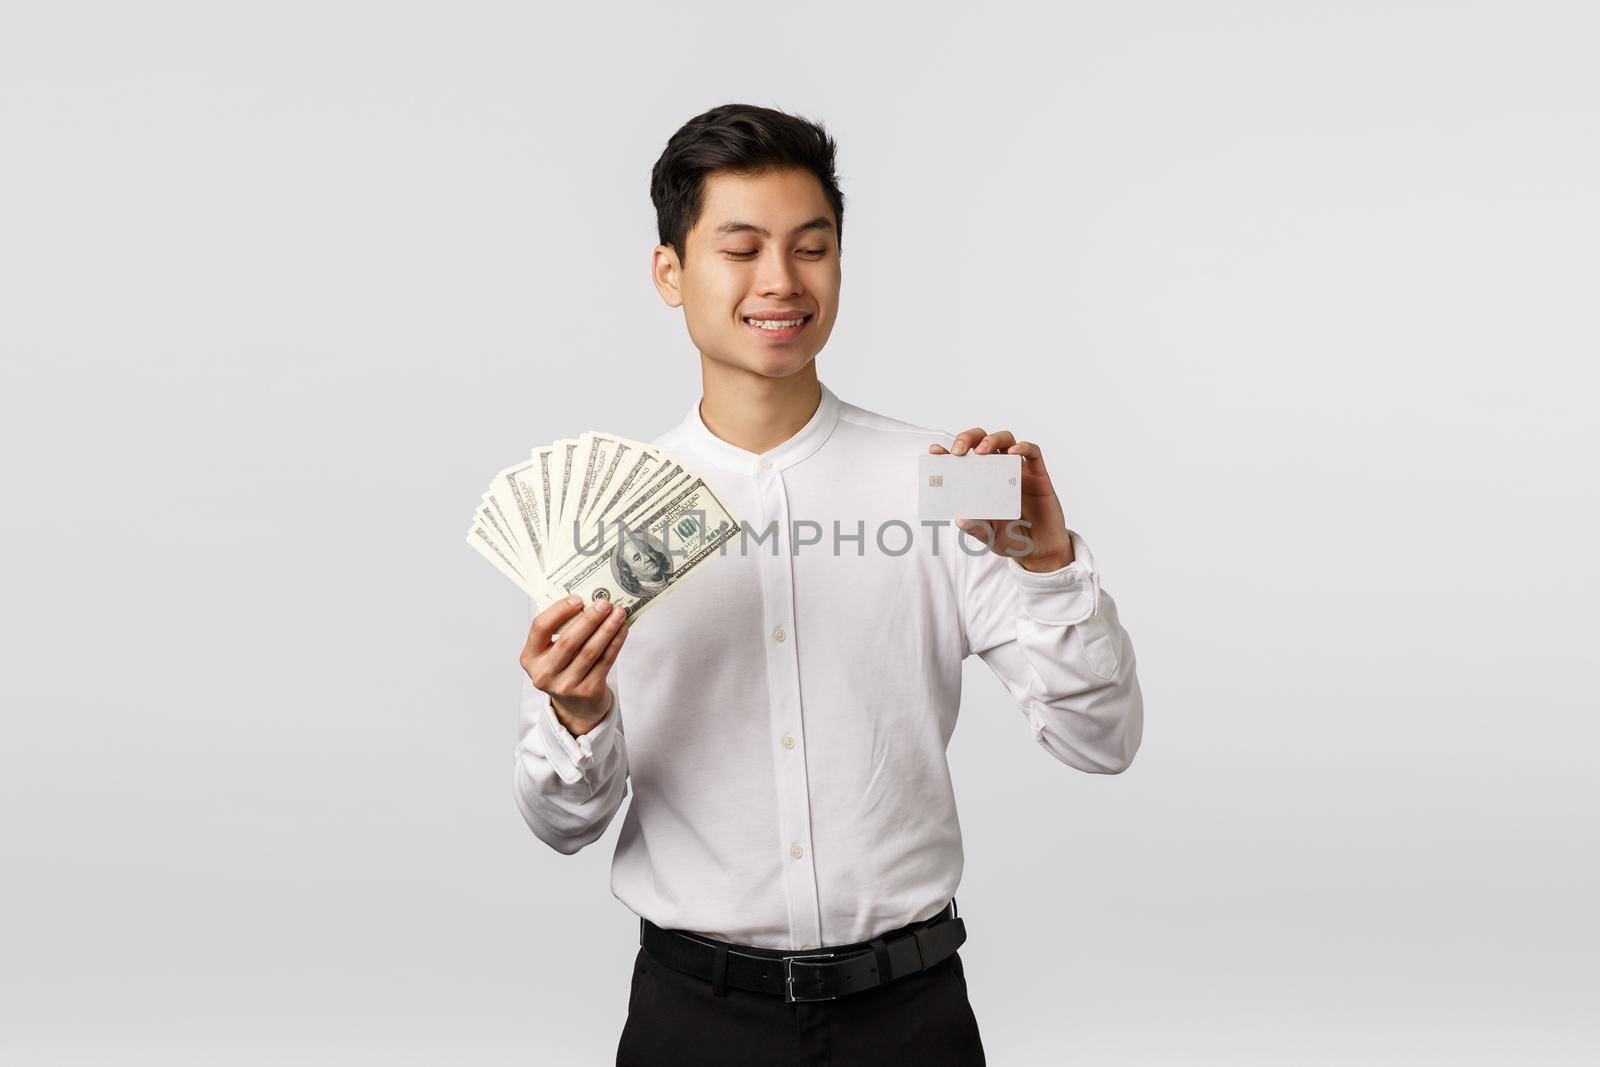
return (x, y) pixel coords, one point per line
(922, 1019)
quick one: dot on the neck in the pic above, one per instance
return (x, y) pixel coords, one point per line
(753, 412)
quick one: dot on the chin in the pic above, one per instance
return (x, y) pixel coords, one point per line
(782, 364)
(774, 363)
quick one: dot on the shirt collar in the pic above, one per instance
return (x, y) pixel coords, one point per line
(805, 441)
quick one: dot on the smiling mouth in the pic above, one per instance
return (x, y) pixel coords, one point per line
(776, 325)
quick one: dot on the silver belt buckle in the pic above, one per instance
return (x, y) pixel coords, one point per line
(788, 977)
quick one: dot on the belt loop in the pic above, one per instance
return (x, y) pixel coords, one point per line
(880, 948)
(921, 934)
(719, 972)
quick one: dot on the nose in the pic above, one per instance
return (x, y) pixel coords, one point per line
(778, 278)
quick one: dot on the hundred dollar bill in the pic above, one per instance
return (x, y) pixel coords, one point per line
(594, 459)
(480, 538)
(486, 514)
(652, 547)
(564, 461)
(572, 485)
(613, 454)
(490, 538)
(642, 480)
(663, 480)
(618, 488)
(522, 507)
(542, 462)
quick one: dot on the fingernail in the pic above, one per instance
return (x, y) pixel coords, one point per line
(601, 606)
(574, 601)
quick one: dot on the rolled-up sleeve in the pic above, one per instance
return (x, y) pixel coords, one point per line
(1055, 642)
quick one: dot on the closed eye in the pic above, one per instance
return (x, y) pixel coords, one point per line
(803, 251)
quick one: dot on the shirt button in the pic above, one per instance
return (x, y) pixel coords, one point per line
(796, 851)
(766, 464)
(779, 635)
(788, 740)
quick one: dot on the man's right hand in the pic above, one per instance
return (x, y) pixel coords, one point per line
(572, 669)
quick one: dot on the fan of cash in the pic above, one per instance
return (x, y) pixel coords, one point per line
(600, 517)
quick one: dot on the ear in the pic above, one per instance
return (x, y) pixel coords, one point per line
(665, 270)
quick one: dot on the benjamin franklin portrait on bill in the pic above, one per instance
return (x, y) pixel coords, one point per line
(640, 566)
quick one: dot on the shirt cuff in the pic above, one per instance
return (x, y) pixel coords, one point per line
(573, 756)
(1062, 597)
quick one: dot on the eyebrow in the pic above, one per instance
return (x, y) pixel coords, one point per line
(821, 222)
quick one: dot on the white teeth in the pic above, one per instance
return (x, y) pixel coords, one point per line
(774, 324)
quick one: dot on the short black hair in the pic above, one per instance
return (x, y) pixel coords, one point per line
(745, 139)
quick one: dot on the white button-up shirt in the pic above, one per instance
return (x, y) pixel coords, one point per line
(783, 716)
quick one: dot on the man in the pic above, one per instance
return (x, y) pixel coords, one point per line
(792, 849)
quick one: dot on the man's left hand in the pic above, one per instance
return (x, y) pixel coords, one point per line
(1041, 508)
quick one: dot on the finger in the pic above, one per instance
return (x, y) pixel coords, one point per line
(548, 621)
(596, 680)
(1032, 459)
(998, 441)
(585, 657)
(573, 635)
(981, 529)
(966, 439)
(602, 666)
(938, 450)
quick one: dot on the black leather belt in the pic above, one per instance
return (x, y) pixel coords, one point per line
(824, 974)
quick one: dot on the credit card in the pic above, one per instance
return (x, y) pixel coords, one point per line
(969, 487)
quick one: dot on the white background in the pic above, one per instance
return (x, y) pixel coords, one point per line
(1298, 300)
